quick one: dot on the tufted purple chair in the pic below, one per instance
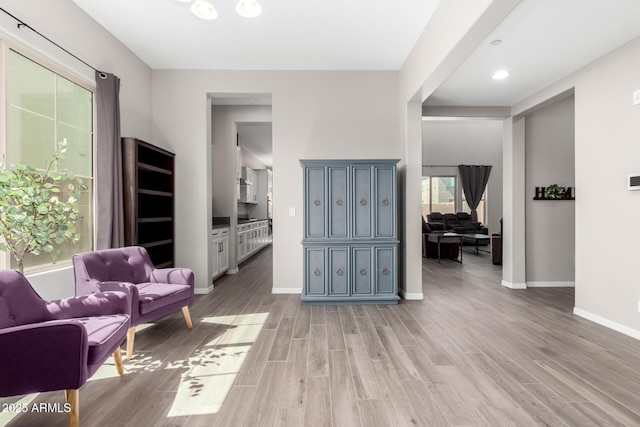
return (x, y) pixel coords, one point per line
(57, 345)
(155, 292)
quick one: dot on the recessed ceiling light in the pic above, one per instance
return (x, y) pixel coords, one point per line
(500, 74)
(495, 42)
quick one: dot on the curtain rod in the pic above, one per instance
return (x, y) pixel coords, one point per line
(22, 24)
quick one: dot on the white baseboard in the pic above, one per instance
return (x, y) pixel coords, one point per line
(412, 296)
(203, 291)
(551, 284)
(633, 333)
(513, 285)
(233, 270)
(286, 291)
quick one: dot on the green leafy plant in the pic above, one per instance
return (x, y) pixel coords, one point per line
(39, 209)
(555, 191)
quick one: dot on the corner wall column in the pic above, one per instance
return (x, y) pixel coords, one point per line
(513, 211)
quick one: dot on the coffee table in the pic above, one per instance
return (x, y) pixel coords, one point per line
(446, 238)
(477, 239)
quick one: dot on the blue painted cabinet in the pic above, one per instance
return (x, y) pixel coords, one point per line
(350, 235)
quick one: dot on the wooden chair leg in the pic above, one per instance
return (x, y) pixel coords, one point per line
(117, 356)
(187, 316)
(131, 335)
(72, 397)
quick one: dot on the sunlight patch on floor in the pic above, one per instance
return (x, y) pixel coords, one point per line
(213, 368)
(209, 371)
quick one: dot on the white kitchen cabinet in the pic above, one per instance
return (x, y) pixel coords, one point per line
(248, 187)
(219, 251)
(252, 237)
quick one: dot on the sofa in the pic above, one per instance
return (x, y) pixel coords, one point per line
(430, 249)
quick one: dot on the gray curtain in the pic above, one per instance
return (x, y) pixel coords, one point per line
(474, 180)
(109, 215)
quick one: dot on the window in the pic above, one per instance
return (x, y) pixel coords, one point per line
(438, 194)
(44, 108)
(481, 209)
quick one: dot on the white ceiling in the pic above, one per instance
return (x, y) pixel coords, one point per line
(542, 41)
(289, 35)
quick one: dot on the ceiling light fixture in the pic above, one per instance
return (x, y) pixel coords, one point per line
(248, 8)
(500, 74)
(204, 8)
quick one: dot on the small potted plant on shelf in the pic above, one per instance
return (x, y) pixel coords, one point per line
(555, 191)
(39, 209)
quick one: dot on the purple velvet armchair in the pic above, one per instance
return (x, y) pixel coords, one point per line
(56, 345)
(154, 292)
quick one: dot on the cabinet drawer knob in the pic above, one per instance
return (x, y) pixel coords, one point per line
(316, 202)
(385, 271)
(363, 272)
(385, 201)
(339, 202)
(316, 272)
(363, 201)
(339, 272)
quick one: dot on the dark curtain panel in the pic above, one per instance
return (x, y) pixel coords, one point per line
(109, 215)
(474, 180)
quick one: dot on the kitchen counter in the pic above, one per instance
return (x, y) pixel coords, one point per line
(247, 221)
(220, 222)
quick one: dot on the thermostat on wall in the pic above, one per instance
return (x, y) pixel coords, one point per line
(633, 181)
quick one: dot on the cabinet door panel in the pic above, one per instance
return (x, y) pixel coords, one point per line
(315, 271)
(337, 202)
(385, 214)
(361, 201)
(315, 202)
(385, 260)
(361, 271)
(338, 282)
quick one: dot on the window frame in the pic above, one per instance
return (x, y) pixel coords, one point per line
(455, 193)
(6, 45)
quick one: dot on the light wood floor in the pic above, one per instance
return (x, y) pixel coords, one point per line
(471, 354)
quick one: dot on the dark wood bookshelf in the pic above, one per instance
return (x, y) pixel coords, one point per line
(148, 177)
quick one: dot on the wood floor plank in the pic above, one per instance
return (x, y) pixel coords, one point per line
(344, 408)
(348, 320)
(401, 412)
(262, 410)
(295, 376)
(373, 413)
(303, 320)
(335, 336)
(317, 405)
(318, 352)
(234, 410)
(371, 340)
(282, 340)
(364, 377)
(426, 408)
(397, 354)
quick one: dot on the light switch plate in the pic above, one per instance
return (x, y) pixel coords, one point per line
(636, 97)
(292, 211)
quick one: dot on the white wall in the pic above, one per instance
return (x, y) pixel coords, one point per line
(63, 22)
(549, 159)
(467, 142)
(316, 114)
(606, 150)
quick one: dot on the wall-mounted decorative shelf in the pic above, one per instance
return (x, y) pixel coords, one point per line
(554, 192)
